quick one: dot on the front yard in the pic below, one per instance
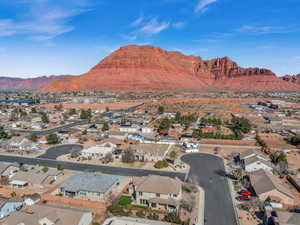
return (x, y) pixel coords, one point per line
(124, 207)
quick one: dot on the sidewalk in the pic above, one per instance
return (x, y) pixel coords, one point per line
(198, 213)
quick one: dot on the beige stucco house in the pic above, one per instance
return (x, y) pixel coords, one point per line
(157, 192)
(266, 185)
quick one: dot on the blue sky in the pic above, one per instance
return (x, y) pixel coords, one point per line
(44, 37)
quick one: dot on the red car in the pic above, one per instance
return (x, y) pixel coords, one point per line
(243, 198)
(246, 193)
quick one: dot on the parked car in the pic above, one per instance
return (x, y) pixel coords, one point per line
(246, 193)
(243, 198)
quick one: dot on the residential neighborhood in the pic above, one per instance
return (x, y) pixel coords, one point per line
(149, 163)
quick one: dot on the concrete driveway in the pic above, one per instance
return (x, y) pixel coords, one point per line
(56, 151)
(206, 170)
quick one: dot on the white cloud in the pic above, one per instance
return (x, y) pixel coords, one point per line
(138, 21)
(203, 4)
(43, 20)
(263, 29)
(178, 25)
(154, 27)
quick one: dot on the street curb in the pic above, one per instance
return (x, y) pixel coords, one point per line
(201, 206)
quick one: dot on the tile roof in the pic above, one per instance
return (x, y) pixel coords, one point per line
(263, 181)
(33, 214)
(158, 184)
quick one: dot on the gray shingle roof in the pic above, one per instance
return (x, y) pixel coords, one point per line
(90, 182)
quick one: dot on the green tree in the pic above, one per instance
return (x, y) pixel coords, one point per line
(72, 112)
(59, 107)
(238, 173)
(33, 137)
(45, 118)
(161, 164)
(241, 124)
(60, 167)
(3, 134)
(105, 126)
(165, 124)
(160, 109)
(52, 139)
(295, 140)
(33, 110)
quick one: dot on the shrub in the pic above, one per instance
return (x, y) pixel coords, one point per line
(125, 200)
(116, 210)
(161, 164)
(140, 213)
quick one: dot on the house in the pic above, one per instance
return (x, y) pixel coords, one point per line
(150, 152)
(8, 169)
(251, 153)
(48, 215)
(268, 186)
(98, 151)
(157, 192)
(90, 186)
(132, 221)
(34, 177)
(255, 163)
(129, 128)
(32, 199)
(9, 206)
(22, 143)
(272, 217)
(147, 130)
(190, 147)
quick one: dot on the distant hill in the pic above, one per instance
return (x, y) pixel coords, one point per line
(29, 83)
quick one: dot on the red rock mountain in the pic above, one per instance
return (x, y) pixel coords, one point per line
(292, 78)
(144, 68)
(29, 83)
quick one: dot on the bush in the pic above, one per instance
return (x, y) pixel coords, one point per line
(173, 218)
(125, 200)
(116, 210)
(141, 214)
(52, 139)
(161, 164)
(153, 216)
(45, 169)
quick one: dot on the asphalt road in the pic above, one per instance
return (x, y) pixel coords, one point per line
(205, 171)
(53, 130)
(89, 167)
(56, 151)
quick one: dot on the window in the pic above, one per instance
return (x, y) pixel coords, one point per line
(157, 195)
(140, 193)
(174, 195)
(143, 202)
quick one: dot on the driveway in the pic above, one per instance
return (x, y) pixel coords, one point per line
(205, 171)
(56, 151)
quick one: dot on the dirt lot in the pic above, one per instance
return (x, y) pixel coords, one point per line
(220, 106)
(276, 141)
(112, 106)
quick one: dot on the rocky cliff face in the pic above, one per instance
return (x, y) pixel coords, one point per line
(30, 83)
(148, 68)
(292, 78)
(224, 68)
